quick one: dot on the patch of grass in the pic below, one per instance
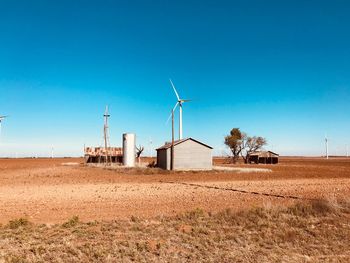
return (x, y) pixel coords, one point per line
(317, 207)
(195, 214)
(313, 230)
(16, 259)
(72, 222)
(17, 223)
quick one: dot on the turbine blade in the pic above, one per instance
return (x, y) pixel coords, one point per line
(177, 103)
(171, 113)
(177, 95)
(168, 118)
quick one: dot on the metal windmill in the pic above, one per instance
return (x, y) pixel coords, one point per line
(106, 135)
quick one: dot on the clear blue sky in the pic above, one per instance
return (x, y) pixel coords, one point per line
(279, 69)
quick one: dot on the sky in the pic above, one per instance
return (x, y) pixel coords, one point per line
(277, 69)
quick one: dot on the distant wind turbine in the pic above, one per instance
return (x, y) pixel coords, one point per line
(326, 141)
(150, 142)
(1, 119)
(178, 103)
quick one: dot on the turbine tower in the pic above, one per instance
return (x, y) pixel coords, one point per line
(326, 141)
(150, 142)
(347, 151)
(178, 103)
(1, 119)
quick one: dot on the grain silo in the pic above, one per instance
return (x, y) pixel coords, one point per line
(129, 144)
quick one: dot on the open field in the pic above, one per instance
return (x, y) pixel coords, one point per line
(45, 191)
(150, 214)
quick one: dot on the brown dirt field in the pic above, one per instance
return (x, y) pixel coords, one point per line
(45, 191)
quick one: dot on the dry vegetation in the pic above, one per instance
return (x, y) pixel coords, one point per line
(306, 232)
(142, 214)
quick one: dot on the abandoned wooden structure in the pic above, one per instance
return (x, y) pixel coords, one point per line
(189, 154)
(100, 155)
(265, 157)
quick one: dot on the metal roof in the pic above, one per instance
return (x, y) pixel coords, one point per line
(168, 145)
(264, 154)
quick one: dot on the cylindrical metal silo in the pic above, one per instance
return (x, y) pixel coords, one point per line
(129, 154)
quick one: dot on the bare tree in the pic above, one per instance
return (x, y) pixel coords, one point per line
(139, 151)
(252, 144)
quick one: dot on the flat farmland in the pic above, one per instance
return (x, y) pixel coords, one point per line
(58, 210)
(53, 190)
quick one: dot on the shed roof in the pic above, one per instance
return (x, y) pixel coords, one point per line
(264, 154)
(168, 145)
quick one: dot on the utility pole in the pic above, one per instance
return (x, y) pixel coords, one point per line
(106, 135)
(172, 141)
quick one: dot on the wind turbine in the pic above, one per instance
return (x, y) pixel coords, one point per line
(1, 119)
(326, 141)
(178, 103)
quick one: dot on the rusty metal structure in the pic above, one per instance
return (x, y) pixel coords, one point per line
(105, 154)
(265, 157)
(101, 154)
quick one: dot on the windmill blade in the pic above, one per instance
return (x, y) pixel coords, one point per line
(177, 95)
(177, 103)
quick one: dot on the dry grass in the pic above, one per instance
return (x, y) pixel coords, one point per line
(318, 231)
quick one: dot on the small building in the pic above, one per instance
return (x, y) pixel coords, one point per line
(266, 157)
(99, 154)
(189, 154)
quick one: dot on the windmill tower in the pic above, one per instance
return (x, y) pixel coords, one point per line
(106, 136)
(179, 103)
(326, 142)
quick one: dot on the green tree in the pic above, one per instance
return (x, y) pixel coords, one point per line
(235, 142)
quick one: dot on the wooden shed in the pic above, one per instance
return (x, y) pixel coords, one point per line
(266, 157)
(189, 154)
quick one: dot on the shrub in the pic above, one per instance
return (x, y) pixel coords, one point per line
(71, 222)
(16, 223)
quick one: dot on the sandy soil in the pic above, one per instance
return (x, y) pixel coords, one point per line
(45, 191)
